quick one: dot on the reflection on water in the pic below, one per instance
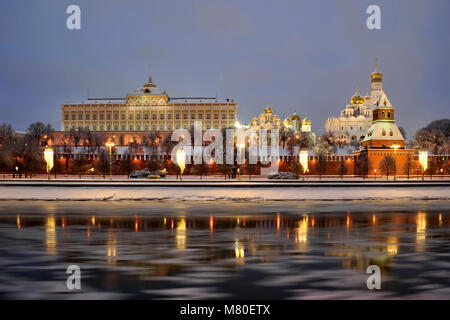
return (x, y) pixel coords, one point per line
(211, 253)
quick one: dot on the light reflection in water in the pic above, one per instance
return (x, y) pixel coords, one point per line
(392, 247)
(50, 235)
(421, 230)
(181, 234)
(315, 241)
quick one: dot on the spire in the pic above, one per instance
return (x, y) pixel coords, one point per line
(376, 65)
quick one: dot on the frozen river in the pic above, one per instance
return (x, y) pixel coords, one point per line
(225, 249)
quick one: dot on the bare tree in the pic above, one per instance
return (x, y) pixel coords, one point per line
(200, 169)
(80, 164)
(408, 168)
(432, 166)
(387, 166)
(342, 168)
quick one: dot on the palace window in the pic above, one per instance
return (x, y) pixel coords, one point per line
(130, 127)
(169, 116)
(116, 116)
(102, 128)
(184, 116)
(169, 127)
(108, 116)
(66, 128)
(216, 116)
(184, 126)
(116, 127)
(138, 127)
(80, 116)
(389, 114)
(102, 116)
(94, 116)
(192, 116)
(153, 116)
(123, 116)
(123, 127)
(161, 116)
(108, 127)
(177, 116)
(146, 127)
(177, 126)
(66, 116)
(130, 116)
(73, 116)
(231, 115)
(154, 127)
(208, 126)
(224, 116)
(161, 127)
(138, 116)
(94, 127)
(208, 115)
(145, 116)
(200, 115)
(216, 126)
(87, 116)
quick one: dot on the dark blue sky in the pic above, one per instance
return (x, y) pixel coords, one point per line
(295, 55)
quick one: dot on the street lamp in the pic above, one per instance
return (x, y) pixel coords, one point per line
(48, 157)
(240, 147)
(375, 170)
(423, 160)
(442, 170)
(303, 159)
(395, 147)
(181, 159)
(110, 144)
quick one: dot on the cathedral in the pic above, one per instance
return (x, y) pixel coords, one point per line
(268, 120)
(356, 118)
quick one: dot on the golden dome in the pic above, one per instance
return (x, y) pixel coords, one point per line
(287, 122)
(376, 76)
(356, 98)
(268, 110)
(306, 121)
(295, 117)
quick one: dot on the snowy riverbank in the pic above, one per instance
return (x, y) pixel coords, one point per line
(238, 192)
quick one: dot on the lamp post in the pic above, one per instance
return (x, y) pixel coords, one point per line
(395, 147)
(375, 170)
(240, 147)
(110, 144)
(181, 159)
(423, 159)
(48, 157)
(442, 170)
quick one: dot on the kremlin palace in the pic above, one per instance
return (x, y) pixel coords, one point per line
(148, 109)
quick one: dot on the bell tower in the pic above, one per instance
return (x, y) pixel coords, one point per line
(376, 79)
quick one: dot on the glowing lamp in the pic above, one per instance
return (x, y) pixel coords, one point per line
(423, 159)
(181, 160)
(303, 158)
(48, 157)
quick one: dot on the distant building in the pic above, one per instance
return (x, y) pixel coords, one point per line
(148, 109)
(356, 117)
(266, 120)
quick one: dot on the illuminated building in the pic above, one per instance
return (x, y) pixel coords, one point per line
(356, 118)
(148, 108)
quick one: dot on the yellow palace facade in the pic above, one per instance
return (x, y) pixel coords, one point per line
(148, 108)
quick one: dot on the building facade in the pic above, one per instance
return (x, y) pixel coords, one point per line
(356, 117)
(148, 108)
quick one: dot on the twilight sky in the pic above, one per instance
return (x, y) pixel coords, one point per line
(294, 55)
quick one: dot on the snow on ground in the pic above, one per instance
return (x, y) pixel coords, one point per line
(350, 192)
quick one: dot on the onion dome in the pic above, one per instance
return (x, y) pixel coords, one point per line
(306, 122)
(376, 76)
(356, 98)
(295, 117)
(268, 110)
(287, 122)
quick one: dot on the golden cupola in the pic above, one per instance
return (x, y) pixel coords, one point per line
(268, 110)
(356, 98)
